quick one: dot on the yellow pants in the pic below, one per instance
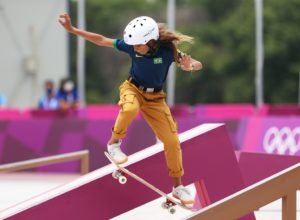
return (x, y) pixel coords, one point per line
(157, 114)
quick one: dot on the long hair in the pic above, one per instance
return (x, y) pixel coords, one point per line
(170, 39)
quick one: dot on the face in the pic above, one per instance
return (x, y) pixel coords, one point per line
(141, 48)
(68, 86)
(49, 87)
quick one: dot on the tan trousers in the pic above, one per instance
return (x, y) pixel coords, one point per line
(157, 114)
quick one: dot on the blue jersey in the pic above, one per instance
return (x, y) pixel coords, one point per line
(149, 71)
(69, 97)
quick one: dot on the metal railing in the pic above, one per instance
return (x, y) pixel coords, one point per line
(281, 185)
(83, 156)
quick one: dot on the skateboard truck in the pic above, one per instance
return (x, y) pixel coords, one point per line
(169, 205)
(120, 176)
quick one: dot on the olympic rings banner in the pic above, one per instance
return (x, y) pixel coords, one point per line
(273, 135)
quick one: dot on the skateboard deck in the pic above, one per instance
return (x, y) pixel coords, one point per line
(121, 173)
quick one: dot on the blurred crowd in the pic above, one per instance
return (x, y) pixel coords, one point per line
(65, 97)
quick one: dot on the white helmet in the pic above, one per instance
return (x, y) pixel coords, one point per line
(141, 30)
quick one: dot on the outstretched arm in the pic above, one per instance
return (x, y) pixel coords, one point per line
(65, 21)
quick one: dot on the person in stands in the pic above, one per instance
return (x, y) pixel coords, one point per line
(48, 101)
(67, 95)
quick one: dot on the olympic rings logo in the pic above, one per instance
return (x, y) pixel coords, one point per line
(282, 141)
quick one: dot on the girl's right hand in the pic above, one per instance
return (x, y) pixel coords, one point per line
(65, 21)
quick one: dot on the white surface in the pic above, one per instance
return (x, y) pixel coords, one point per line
(272, 211)
(18, 187)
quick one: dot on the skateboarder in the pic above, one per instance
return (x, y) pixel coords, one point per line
(152, 49)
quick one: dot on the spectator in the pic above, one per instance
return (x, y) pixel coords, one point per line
(2, 101)
(67, 95)
(48, 100)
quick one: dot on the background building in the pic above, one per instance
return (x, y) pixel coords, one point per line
(33, 48)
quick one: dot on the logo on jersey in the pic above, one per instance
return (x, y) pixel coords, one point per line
(158, 60)
(136, 55)
(282, 141)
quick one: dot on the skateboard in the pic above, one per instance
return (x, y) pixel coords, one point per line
(121, 175)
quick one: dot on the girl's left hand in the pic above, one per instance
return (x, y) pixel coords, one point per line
(185, 62)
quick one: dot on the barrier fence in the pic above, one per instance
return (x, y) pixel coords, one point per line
(83, 156)
(199, 110)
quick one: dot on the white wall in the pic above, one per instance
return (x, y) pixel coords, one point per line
(29, 31)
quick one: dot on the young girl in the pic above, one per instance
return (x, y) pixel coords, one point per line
(152, 49)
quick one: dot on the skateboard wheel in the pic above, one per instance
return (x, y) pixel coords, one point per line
(172, 210)
(122, 179)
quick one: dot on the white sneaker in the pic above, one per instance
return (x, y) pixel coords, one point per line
(116, 153)
(183, 194)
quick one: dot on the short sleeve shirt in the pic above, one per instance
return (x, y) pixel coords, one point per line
(45, 103)
(2, 100)
(149, 71)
